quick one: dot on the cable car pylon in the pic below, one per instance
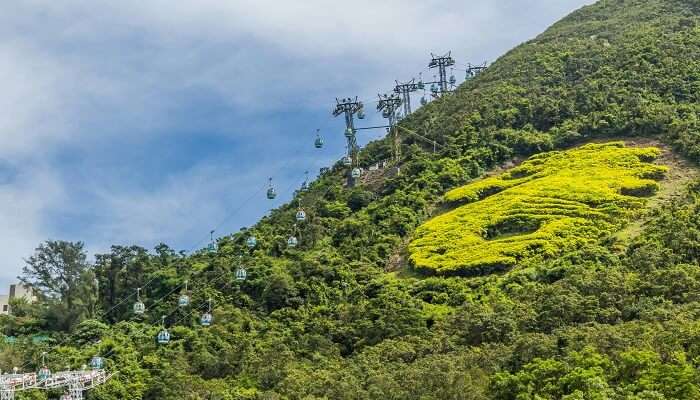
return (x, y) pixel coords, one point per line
(405, 90)
(388, 105)
(349, 107)
(441, 63)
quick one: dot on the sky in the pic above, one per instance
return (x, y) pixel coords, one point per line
(141, 122)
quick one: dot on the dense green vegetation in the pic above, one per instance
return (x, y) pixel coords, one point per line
(344, 317)
(552, 203)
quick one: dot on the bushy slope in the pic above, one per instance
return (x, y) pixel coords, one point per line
(326, 320)
(552, 203)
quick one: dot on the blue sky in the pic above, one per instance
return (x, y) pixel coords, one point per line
(139, 122)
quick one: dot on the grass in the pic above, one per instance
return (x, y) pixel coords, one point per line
(552, 202)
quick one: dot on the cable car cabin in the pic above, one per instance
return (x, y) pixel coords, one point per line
(349, 133)
(318, 143)
(139, 308)
(211, 247)
(433, 88)
(361, 114)
(421, 85)
(251, 242)
(183, 301)
(163, 337)
(241, 274)
(423, 101)
(206, 319)
(271, 194)
(96, 362)
(44, 373)
(292, 241)
(301, 215)
(356, 173)
(347, 161)
(453, 80)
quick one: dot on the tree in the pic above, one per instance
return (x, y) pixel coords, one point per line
(64, 280)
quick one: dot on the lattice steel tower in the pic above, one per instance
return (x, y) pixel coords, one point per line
(442, 63)
(474, 70)
(388, 104)
(349, 107)
(405, 90)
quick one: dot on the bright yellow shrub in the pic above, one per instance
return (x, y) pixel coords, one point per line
(552, 202)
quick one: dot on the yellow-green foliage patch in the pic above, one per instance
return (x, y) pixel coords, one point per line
(552, 202)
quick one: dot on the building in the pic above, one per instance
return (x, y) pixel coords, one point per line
(17, 291)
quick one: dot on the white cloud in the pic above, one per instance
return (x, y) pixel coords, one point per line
(22, 203)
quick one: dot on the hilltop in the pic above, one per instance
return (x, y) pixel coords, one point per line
(448, 280)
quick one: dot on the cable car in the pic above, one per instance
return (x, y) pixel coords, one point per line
(361, 114)
(453, 80)
(184, 299)
(386, 113)
(423, 101)
(421, 85)
(139, 307)
(434, 88)
(271, 194)
(207, 318)
(356, 172)
(241, 273)
(349, 133)
(44, 372)
(318, 143)
(301, 215)
(292, 241)
(251, 242)
(96, 362)
(347, 161)
(163, 336)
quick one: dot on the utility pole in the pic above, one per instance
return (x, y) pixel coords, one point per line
(441, 63)
(388, 104)
(405, 89)
(349, 107)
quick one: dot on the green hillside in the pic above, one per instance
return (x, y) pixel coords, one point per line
(367, 306)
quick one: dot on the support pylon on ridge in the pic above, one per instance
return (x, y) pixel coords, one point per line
(441, 63)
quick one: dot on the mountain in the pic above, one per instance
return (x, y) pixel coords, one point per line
(540, 240)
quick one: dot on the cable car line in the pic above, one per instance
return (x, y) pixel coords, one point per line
(348, 107)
